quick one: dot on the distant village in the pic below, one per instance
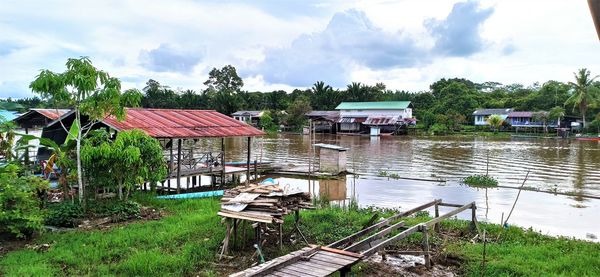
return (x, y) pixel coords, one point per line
(396, 118)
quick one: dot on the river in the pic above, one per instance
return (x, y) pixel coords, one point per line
(441, 162)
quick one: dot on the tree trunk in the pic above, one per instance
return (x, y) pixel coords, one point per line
(120, 191)
(79, 173)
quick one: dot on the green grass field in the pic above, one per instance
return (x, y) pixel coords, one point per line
(185, 243)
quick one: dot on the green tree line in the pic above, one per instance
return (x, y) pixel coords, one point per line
(450, 102)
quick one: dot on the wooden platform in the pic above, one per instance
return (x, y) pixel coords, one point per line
(339, 256)
(313, 261)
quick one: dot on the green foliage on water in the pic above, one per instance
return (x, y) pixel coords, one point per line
(383, 173)
(480, 181)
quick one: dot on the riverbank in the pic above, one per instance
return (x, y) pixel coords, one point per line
(185, 243)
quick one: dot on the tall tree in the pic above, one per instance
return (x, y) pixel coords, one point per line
(225, 78)
(91, 92)
(584, 93)
(223, 86)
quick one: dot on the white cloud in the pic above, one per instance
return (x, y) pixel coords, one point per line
(287, 44)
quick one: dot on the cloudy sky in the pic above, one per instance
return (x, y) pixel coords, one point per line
(407, 44)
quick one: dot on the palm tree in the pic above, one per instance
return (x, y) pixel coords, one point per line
(542, 117)
(556, 114)
(355, 91)
(584, 93)
(495, 122)
(322, 94)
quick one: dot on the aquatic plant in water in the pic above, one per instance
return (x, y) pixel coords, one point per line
(480, 181)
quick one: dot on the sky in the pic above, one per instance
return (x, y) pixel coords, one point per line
(406, 44)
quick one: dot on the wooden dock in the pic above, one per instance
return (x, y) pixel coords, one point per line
(341, 255)
(309, 261)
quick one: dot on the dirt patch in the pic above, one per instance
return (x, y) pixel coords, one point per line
(408, 265)
(104, 223)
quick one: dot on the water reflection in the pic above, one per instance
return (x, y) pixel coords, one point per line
(554, 164)
(565, 165)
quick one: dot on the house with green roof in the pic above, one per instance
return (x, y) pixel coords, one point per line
(374, 117)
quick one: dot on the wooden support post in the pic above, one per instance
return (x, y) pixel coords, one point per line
(426, 253)
(223, 161)
(170, 165)
(436, 227)
(257, 233)
(194, 181)
(255, 170)
(280, 236)
(235, 225)
(344, 272)
(179, 141)
(473, 216)
(248, 162)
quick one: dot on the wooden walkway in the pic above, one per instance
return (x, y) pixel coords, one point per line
(309, 261)
(342, 254)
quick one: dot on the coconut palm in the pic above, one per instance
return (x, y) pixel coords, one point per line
(584, 93)
(495, 122)
(556, 114)
(542, 117)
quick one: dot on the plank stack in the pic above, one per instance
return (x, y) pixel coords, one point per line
(262, 203)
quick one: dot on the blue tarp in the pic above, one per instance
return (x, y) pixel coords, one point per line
(8, 115)
(192, 195)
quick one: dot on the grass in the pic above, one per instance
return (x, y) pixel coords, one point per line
(180, 244)
(517, 252)
(186, 242)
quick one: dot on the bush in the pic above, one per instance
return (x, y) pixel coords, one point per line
(438, 129)
(64, 214)
(119, 210)
(20, 213)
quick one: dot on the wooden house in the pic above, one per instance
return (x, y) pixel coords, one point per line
(324, 121)
(250, 117)
(374, 117)
(480, 116)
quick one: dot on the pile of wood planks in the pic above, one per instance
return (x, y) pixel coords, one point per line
(262, 203)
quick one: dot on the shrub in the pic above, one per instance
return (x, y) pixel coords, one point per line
(20, 213)
(438, 129)
(480, 181)
(119, 210)
(64, 214)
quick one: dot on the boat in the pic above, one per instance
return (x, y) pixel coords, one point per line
(589, 139)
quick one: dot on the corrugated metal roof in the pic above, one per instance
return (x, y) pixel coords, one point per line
(328, 115)
(492, 111)
(250, 113)
(52, 113)
(520, 114)
(381, 120)
(382, 105)
(165, 123)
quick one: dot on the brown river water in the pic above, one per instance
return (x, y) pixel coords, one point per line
(433, 167)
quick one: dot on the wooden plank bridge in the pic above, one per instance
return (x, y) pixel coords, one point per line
(341, 255)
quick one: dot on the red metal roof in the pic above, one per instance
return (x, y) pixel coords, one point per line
(52, 114)
(165, 123)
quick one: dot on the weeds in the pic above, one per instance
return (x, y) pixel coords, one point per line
(480, 181)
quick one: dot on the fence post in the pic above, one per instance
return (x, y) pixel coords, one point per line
(426, 245)
(436, 227)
